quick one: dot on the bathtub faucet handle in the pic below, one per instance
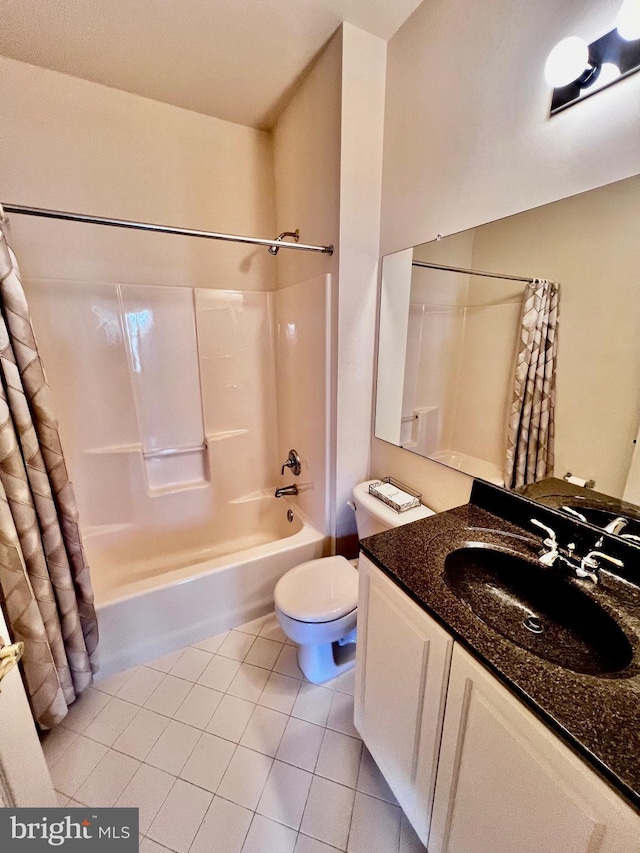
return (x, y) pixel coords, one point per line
(293, 462)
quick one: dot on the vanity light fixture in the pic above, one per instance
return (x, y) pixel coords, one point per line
(576, 69)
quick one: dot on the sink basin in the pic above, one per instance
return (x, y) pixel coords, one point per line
(538, 609)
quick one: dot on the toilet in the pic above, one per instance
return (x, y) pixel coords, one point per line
(316, 603)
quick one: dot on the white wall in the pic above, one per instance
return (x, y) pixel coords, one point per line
(468, 140)
(327, 155)
(73, 145)
(363, 78)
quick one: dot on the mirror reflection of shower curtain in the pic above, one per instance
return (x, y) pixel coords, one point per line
(530, 429)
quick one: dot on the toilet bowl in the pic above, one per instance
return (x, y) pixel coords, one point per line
(316, 605)
(316, 602)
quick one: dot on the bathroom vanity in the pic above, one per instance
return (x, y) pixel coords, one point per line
(494, 737)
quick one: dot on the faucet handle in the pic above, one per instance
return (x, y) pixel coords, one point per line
(590, 563)
(551, 541)
(293, 462)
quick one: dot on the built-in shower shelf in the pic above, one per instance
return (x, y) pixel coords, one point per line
(223, 434)
(116, 448)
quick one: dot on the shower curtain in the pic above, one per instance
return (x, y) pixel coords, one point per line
(45, 586)
(530, 431)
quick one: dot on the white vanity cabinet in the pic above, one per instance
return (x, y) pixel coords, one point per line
(402, 668)
(446, 733)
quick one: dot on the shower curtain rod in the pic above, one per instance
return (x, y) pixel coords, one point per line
(473, 272)
(274, 244)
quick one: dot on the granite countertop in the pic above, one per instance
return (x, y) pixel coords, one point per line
(598, 715)
(557, 493)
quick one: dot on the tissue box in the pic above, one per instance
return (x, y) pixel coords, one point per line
(394, 494)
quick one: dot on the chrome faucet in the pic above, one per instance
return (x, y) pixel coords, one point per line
(616, 525)
(590, 564)
(283, 491)
(547, 558)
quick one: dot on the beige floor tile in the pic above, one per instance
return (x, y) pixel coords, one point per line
(339, 758)
(111, 776)
(371, 781)
(327, 814)
(199, 706)
(287, 663)
(207, 763)
(305, 844)
(249, 682)
(112, 683)
(267, 835)
(146, 791)
(264, 652)
(72, 768)
(375, 826)
(141, 734)
(245, 777)
(313, 704)
(107, 726)
(84, 709)
(252, 627)
(191, 664)
(280, 693)
(165, 663)
(264, 730)
(285, 794)
(212, 644)
(177, 823)
(219, 673)
(56, 742)
(223, 829)
(236, 645)
(300, 744)
(168, 695)
(230, 718)
(141, 685)
(174, 746)
(341, 715)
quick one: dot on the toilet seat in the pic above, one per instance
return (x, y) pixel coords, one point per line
(320, 590)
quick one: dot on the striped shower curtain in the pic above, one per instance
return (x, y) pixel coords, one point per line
(530, 432)
(45, 587)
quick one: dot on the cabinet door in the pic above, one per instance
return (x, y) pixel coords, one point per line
(402, 666)
(507, 784)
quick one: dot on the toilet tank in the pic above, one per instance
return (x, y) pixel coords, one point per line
(372, 516)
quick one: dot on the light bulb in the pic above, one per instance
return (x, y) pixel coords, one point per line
(566, 62)
(628, 22)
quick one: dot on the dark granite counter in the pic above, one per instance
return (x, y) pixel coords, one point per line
(598, 715)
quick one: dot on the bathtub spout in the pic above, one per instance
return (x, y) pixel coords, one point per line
(286, 490)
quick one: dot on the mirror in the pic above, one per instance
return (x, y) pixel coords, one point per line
(447, 342)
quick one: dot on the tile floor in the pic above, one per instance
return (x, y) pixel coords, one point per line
(226, 748)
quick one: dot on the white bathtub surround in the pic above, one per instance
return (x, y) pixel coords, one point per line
(196, 397)
(218, 773)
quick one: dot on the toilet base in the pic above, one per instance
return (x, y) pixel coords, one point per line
(326, 661)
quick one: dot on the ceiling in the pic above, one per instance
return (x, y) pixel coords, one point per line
(238, 60)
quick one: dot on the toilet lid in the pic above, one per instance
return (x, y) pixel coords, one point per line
(319, 590)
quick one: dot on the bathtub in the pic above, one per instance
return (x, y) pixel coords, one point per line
(470, 465)
(149, 606)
